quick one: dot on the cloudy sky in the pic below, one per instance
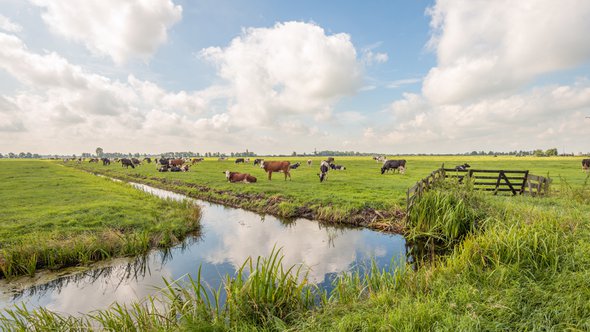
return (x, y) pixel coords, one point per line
(280, 76)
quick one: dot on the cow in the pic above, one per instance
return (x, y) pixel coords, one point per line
(586, 165)
(105, 161)
(135, 161)
(163, 169)
(324, 168)
(196, 160)
(239, 177)
(276, 166)
(330, 160)
(247, 160)
(294, 166)
(127, 162)
(93, 160)
(337, 167)
(463, 167)
(185, 168)
(308, 162)
(176, 162)
(239, 160)
(148, 160)
(163, 161)
(399, 165)
(258, 161)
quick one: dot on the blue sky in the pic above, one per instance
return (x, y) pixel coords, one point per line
(274, 77)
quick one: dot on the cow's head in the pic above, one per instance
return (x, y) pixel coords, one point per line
(383, 170)
(226, 175)
(402, 170)
(262, 164)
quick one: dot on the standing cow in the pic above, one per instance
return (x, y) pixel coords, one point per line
(586, 165)
(324, 168)
(239, 160)
(399, 165)
(308, 162)
(276, 166)
(127, 162)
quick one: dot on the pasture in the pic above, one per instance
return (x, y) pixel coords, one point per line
(53, 216)
(350, 196)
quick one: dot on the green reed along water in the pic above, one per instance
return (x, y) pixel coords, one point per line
(54, 217)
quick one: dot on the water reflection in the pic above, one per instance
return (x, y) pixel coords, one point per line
(229, 237)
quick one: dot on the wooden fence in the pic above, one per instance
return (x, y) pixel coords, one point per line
(496, 181)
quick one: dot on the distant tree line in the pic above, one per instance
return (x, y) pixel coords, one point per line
(20, 155)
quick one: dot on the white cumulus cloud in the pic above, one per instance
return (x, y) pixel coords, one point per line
(289, 69)
(7, 25)
(494, 47)
(120, 29)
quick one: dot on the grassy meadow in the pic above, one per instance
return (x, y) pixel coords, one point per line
(54, 216)
(359, 195)
(509, 264)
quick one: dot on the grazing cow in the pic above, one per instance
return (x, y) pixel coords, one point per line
(135, 161)
(308, 162)
(239, 177)
(127, 162)
(105, 161)
(164, 161)
(258, 161)
(394, 165)
(324, 168)
(463, 167)
(294, 166)
(148, 160)
(176, 162)
(276, 166)
(337, 167)
(586, 165)
(196, 160)
(239, 160)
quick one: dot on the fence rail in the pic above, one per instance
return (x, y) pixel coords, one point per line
(515, 182)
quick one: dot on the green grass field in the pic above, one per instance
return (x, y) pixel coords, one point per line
(524, 266)
(348, 196)
(53, 216)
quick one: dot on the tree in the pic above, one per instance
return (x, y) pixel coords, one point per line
(539, 153)
(551, 152)
(99, 152)
(294, 154)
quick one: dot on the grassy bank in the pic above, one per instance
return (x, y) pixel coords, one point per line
(524, 266)
(53, 216)
(360, 195)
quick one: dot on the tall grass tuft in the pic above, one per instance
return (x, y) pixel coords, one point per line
(445, 215)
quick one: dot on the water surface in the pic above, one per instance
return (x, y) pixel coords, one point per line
(229, 237)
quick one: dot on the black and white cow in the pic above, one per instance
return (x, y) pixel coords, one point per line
(463, 167)
(258, 161)
(294, 166)
(394, 165)
(586, 165)
(337, 167)
(324, 168)
(239, 160)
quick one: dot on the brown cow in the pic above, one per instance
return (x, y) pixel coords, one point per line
(196, 160)
(239, 177)
(176, 162)
(276, 166)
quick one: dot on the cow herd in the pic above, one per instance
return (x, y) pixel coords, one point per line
(269, 167)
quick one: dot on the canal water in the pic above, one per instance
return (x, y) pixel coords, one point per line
(228, 237)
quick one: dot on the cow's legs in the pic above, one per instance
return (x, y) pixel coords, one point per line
(289, 174)
(269, 175)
